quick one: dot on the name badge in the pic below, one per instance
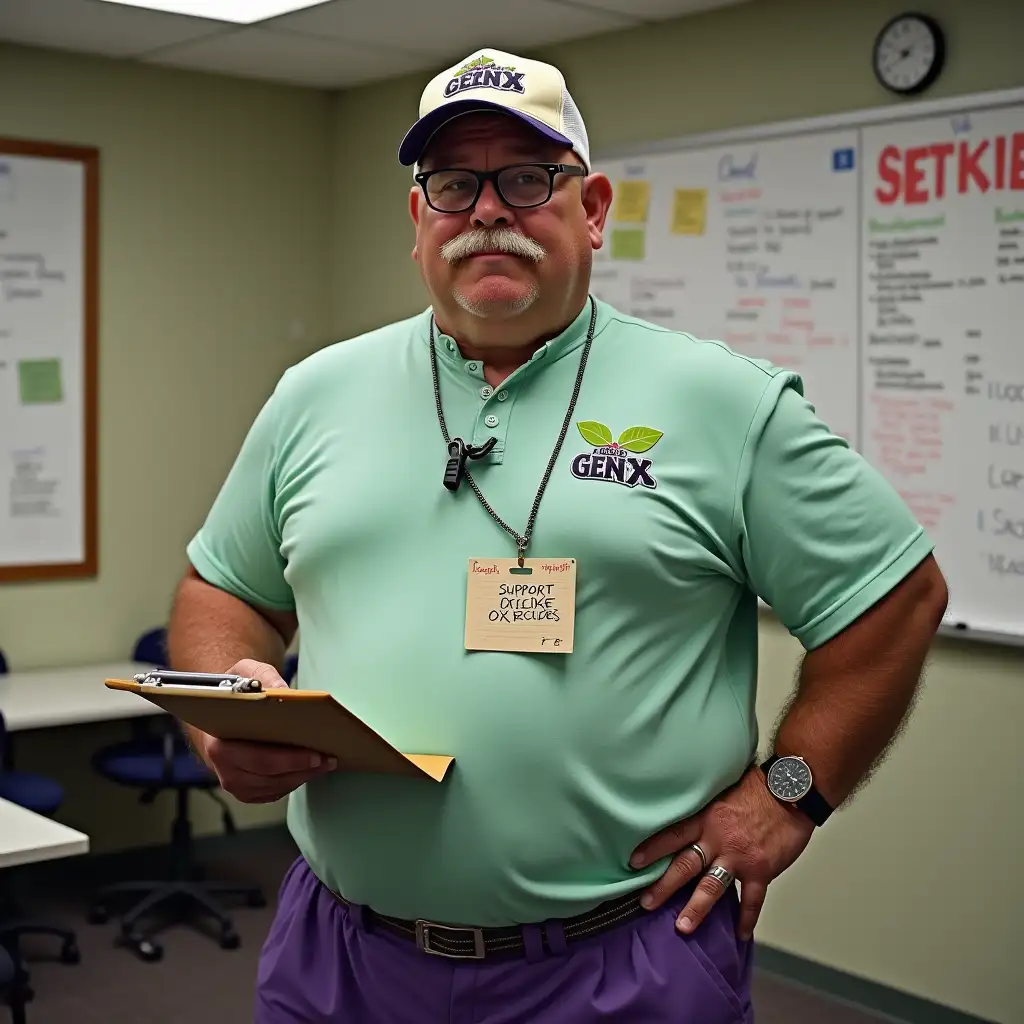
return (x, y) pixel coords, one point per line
(529, 609)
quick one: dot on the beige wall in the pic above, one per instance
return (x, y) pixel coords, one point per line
(215, 243)
(914, 885)
(215, 240)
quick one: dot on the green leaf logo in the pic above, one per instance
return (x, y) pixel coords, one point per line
(596, 433)
(638, 439)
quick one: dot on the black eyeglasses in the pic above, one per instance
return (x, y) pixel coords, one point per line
(455, 190)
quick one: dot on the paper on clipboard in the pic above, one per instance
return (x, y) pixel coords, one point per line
(302, 718)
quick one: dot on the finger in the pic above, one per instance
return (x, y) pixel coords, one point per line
(269, 677)
(752, 897)
(262, 788)
(683, 869)
(666, 842)
(266, 759)
(708, 892)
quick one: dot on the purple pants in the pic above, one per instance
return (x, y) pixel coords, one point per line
(322, 964)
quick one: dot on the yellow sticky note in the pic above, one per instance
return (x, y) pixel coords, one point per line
(688, 211)
(627, 244)
(631, 199)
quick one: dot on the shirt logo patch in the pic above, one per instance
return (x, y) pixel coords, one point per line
(616, 461)
(485, 73)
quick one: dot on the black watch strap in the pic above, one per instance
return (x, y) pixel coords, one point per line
(813, 804)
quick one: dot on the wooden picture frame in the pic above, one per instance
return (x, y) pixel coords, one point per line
(87, 564)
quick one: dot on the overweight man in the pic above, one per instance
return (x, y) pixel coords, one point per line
(579, 862)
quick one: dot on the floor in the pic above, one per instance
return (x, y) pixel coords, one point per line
(198, 983)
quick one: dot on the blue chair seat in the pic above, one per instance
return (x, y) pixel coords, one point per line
(34, 792)
(143, 764)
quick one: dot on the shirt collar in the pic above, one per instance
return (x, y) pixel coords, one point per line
(550, 352)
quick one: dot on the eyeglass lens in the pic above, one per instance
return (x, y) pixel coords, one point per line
(456, 190)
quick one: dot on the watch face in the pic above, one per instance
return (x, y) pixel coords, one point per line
(789, 779)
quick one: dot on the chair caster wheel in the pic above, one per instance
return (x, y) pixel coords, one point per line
(149, 951)
(143, 948)
(70, 953)
(256, 900)
(230, 940)
(98, 915)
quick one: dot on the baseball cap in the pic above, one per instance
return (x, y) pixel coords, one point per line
(493, 80)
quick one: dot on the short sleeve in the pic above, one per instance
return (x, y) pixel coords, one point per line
(823, 535)
(238, 547)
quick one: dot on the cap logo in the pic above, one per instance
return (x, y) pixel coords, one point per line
(483, 73)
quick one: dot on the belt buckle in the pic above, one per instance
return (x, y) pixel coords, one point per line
(424, 929)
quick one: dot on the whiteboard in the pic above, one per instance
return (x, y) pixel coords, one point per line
(48, 227)
(880, 254)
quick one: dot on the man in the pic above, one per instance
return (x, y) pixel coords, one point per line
(577, 863)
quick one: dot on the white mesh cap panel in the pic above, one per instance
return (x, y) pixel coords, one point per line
(574, 128)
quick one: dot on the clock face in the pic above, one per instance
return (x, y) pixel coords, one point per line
(909, 53)
(789, 779)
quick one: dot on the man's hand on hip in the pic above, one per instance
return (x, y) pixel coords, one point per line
(260, 773)
(745, 830)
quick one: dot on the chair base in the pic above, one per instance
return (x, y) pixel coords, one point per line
(175, 902)
(11, 933)
(18, 992)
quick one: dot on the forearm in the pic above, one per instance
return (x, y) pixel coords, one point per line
(211, 631)
(855, 691)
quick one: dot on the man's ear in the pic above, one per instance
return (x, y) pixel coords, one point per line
(414, 211)
(597, 201)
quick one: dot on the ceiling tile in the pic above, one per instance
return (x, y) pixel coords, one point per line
(450, 29)
(656, 10)
(89, 26)
(288, 57)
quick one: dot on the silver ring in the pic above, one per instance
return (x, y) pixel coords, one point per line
(723, 875)
(700, 853)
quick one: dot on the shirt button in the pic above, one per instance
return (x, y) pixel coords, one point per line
(486, 391)
(540, 353)
(502, 395)
(451, 345)
(472, 367)
(491, 421)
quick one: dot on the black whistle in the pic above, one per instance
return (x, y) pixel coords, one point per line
(458, 452)
(455, 470)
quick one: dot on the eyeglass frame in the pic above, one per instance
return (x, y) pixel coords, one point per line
(482, 177)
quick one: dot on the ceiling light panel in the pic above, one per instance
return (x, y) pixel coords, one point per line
(241, 12)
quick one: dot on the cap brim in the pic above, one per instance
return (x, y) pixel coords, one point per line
(416, 139)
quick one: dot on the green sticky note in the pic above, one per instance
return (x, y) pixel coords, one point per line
(627, 244)
(39, 381)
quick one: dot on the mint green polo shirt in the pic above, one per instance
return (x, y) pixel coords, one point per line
(563, 763)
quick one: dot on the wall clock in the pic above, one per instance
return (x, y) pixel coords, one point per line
(909, 53)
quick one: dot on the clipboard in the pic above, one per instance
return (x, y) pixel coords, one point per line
(300, 718)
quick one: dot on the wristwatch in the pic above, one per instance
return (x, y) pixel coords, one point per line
(790, 780)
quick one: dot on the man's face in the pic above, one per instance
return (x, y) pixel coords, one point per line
(465, 258)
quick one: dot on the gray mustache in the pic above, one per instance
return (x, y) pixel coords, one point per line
(488, 240)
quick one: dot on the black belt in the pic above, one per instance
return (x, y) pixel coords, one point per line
(467, 943)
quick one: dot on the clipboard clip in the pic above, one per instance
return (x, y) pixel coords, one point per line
(198, 680)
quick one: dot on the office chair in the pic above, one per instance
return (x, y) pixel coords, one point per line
(44, 796)
(291, 667)
(9, 989)
(154, 762)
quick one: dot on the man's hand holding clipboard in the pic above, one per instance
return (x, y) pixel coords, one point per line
(264, 739)
(259, 773)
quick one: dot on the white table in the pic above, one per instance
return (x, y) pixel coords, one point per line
(44, 698)
(27, 837)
